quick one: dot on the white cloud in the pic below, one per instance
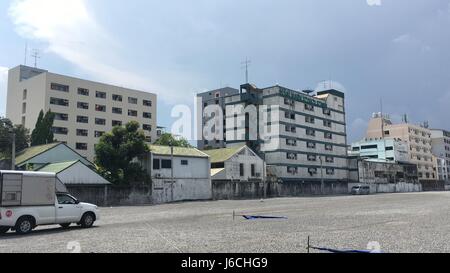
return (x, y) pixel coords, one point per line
(3, 87)
(374, 2)
(73, 33)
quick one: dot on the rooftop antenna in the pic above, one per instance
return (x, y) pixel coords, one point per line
(245, 65)
(26, 53)
(36, 55)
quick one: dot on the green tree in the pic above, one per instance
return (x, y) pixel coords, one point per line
(167, 139)
(22, 136)
(43, 131)
(116, 151)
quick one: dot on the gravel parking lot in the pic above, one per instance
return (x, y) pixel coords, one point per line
(411, 222)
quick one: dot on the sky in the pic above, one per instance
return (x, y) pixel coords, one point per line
(394, 51)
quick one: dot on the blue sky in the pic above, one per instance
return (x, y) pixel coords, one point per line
(397, 50)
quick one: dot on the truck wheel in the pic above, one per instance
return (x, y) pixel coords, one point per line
(3, 230)
(65, 225)
(24, 225)
(87, 220)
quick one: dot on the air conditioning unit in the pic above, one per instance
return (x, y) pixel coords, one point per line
(158, 175)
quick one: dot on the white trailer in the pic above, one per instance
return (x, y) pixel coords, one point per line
(30, 199)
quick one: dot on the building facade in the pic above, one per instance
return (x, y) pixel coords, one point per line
(441, 168)
(238, 163)
(418, 139)
(214, 97)
(302, 138)
(440, 141)
(389, 149)
(180, 174)
(84, 110)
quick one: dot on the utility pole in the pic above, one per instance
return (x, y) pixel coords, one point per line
(322, 184)
(13, 151)
(171, 172)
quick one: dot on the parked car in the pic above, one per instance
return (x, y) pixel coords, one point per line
(31, 199)
(361, 190)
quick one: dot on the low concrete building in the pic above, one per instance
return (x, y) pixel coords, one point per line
(383, 176)
(238, 163)
(178, 174)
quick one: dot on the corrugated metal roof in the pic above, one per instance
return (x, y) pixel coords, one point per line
(57, 167)
(31, 152)
(222, 155)
(177, 151)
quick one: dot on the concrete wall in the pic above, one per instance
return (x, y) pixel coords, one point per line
(165, 191)
(389, 187)
(227, 190)
(114, 195)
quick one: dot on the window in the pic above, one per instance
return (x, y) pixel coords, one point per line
(132, 113)
(23, 121)
(327, 123)
(330, 171)
(116, 123)
(117, 98)
(291, 156)
(63, 117)
(147, 115)
(291, 129)
(99, 134)
(60, 130)
(60, 102)
(310, 120)
(81, 146)
(83, 105)
(166, 164)
(64, 199)
(147, 127)
(100, 108)
(329, 147)
(24, 108)
(367, 147)
(24, 95)
(327, 112)
(100, 121)
(116, 110)
(147, 103)
(292, 170)
(329, 159)
(309, 107)
(253, 170)
(386, 133)
(184, 162)
(291, 142)
(312, 158)
(100, 95)
(389, 148)
(310, 132)
(148, 139)
(82, 119)
(59, 87)
(132, 100)
(289, 115)
(241, 170)
(328, 135)
(289, 102)
(311, 145)
(156, 164)
(82, 132)
(312, 171)
(83, 92)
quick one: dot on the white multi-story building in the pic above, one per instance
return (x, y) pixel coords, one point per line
(306, 138)
(84, 110)
(389, 149)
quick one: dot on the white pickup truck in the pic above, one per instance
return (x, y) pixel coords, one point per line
(31, 199)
